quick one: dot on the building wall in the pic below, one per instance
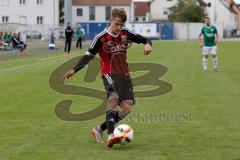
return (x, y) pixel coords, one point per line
(100, 13)
(30, 11)
(190, 31)
(220, 15)
(158, 7)
(140, 19)
(141, 10)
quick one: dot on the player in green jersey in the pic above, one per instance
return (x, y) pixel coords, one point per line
(210, 39)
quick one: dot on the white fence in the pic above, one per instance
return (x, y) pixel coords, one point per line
(190, 31)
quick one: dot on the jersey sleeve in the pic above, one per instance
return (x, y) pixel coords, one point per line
(94, 46)
(201, 31)
(137, 38)
(83, 31)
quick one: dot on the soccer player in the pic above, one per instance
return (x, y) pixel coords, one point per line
(210, 38)
(111, 44)
(68, 42)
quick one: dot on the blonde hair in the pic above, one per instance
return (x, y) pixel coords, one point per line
(119, 13)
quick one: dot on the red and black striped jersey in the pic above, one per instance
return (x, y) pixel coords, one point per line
(112, 50)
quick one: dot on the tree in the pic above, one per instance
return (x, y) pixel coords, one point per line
(187, 11)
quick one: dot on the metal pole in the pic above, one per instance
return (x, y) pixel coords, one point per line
(54, 14)
(68, 12)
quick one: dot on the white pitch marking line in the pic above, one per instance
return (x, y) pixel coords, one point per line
(43, 59)
(32, 64)
(26, 65)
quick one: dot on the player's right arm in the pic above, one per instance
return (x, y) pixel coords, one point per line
(216, 35)
(89, 55)
(200, 38)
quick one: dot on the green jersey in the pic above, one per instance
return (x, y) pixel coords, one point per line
(209, 33)
(80, 32)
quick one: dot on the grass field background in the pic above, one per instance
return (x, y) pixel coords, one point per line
(30, 130)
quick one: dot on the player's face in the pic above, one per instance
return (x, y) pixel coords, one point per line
(116, 25)
(207, 22)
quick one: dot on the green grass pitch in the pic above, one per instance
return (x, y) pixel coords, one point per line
(207, 106)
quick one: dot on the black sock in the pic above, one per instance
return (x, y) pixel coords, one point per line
(110, 120)
(118, 117)
(103, 126)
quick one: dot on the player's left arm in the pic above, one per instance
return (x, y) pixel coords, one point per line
(83, 32)
(216, 35)
(217, 38)
(137, 38)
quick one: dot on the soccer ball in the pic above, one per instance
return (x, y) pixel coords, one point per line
(124, 130)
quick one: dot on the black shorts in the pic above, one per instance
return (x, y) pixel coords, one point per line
(119, 87)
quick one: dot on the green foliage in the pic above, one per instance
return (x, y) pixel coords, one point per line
(187, 11)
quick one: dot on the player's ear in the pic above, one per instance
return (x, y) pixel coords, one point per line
(110, 21)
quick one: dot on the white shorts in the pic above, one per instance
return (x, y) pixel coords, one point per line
(209, 50)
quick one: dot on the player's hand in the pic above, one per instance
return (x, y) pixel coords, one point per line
(68, 74)
(147, 49)
(200, 45)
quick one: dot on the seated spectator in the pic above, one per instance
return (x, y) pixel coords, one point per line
(234, 33)
(17, 44)
(1, 36)
(5, 36)
(52, 37)
(9, 38)
(3, 40)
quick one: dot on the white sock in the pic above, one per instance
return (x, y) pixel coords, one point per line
(215, 63)
(98, 128)
(205, 63)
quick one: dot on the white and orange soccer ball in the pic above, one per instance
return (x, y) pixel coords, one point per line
(125, 131)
